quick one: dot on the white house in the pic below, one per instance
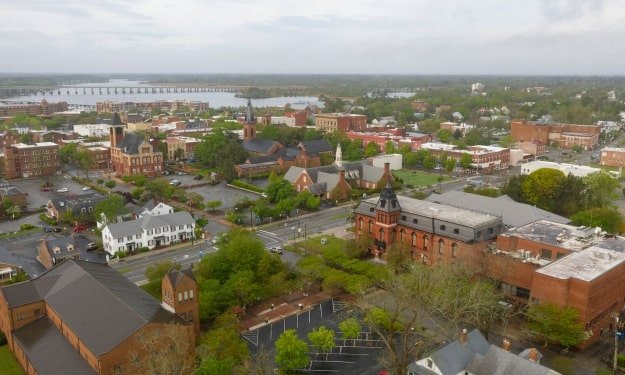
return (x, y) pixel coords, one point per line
(92, 130)
(132, 212)
(148, 231)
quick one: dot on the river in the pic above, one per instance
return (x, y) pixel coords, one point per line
(215, 99)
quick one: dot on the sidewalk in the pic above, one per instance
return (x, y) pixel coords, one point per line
(158, 251)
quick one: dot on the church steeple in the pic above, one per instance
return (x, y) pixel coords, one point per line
(339, 156)
(249, 127)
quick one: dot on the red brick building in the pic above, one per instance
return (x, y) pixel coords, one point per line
(23, 161)
(35, 109)
(433, 232)
(180, 293)
(561, 135)
(300, 117)
(613, 156)
(483, 158)
(342, 122)
(132, 154)
(85, 318)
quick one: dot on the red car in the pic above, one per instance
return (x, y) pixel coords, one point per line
(79, 228)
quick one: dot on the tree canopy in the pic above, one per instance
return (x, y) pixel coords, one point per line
(291, 351)
(555, 324)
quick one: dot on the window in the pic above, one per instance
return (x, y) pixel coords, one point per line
(157, 230)
(191, 294)
(190, 316)
(441, 246)
(490, 230)
(479, 233)
(401, 236)
(186, 295)
(20, 316)
(370, 226)
(129, 238)
(150, 232)
(403, 217)
(442, 227)
(456, 230)
(425, 242)
(381, 234)
(37, 312)
(430, 363)
(454, 250)
(117, 369)
(414, 239)
(360, 224)
(415, 221)
(180, 297)
(545, 253)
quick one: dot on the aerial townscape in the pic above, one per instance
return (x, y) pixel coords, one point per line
(328, 188)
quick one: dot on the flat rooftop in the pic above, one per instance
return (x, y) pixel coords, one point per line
(584, 265)
(548, 232)
(40, 144)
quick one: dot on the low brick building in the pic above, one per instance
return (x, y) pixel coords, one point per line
(613, 156)
(24, 161)
(85, 318)
(35, 109)
(483, 158)
(433, 232)
(561, 135)
(342, 122)
(186, 145)
(53, 250)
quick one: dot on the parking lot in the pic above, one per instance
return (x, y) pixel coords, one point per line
(222, 192)
(358, 356)
(38, 198)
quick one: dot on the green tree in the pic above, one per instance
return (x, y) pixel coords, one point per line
(601, 189)
(390, 148)
(110, 207)
(450, 165)
(279, 190)
(466, 160)
(507, 141)
(212, 205)
(514, 188)
(555, 324)
(221, 350)
(540, 187)
(291, 351)
(14, 211)
(194, 199)
(443, 135)
(221, 150)
(429, 162)
(371, 149)
(350, 328)
(607, 218)
(322, 339)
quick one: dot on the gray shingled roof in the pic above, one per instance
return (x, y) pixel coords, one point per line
(175, 276)
(62, 243)
(500, 362)
(257, 145)
(130, 228)
(513, 214)
(101, 306)
(130, 143)
(49, 351)
(316, 146)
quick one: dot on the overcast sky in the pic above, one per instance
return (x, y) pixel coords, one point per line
(317, 36)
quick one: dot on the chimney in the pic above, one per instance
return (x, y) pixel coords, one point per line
(341, 175)
(533, 355)
(462, 337)
(507, 345)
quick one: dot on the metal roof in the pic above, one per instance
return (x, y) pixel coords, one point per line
(130, 228)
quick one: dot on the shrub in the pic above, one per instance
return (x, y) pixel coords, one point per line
(27, 226)
(143, 249)
(120, 254)
(47, 220)
(245, 185)
(110, 184)
(99, 181)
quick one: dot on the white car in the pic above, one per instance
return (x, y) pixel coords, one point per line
(86, 188)
(62, 190)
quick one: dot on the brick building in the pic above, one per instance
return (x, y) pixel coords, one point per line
(613, 156)
(23, 161)
(535, 148)
(433, 232)
(299, 117)
(115, 106)
(85, 318)
(180, 293)
(342, 122)
(561, 135)
(101, 156)
(483, 158)
(52, 250)
(186, 145)
(563, 265)
(35, 109)
(132, 154)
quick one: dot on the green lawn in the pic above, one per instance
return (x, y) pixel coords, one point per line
(8, 363)
(418, 178)
(313, 245)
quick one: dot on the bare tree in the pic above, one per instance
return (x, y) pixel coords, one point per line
(164, 350)
(424, 305)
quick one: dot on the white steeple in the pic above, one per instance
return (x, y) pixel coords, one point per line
(339, 156)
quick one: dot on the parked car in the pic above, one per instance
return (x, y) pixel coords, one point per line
(62, 190)
(276, 249)
(91, 246)
(181, 173)
(85, 188)
(198, 177)
(47, 229)
(175, 183)
(79, 228)
(57, 230)
(46, 188)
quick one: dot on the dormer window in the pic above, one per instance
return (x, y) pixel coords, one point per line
(70, 247)
(382, 203)
(56, 250)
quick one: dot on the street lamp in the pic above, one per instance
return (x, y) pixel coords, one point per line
(294, 228)
(616, 319)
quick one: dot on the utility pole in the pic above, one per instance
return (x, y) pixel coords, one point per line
(616, 319)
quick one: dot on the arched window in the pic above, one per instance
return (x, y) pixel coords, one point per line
(414, 239)
(393, 235)
(454, 250)
(441, 246)
(401, 236)
(425, 242)
(370, 226)
(381, 234)
(360, 223)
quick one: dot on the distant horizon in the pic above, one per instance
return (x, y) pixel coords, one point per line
(364, 37)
